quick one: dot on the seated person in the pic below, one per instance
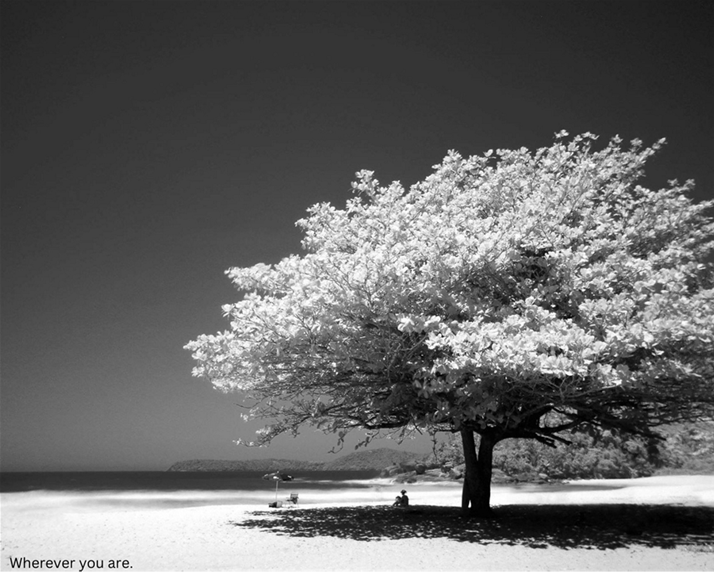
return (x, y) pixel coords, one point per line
(402, 500)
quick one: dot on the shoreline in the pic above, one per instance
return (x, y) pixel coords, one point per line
(151, 532)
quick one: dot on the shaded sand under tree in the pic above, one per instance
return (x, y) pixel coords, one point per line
(602, 527)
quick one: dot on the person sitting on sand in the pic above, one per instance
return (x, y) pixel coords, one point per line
(402, 500)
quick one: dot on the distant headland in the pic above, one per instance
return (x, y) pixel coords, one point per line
(367, 460)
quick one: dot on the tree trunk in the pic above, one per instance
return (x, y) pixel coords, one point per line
(476, 495)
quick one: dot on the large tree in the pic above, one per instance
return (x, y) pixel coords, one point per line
(502, 291)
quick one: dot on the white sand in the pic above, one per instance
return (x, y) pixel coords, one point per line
(111, 527)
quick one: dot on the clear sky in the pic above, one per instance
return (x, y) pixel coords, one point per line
(149, 146)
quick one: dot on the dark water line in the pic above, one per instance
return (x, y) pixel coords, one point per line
(173, 481)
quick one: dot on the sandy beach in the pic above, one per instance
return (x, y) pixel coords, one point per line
(656, 523)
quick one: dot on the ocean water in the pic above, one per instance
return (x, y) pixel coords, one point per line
(176, 481)
(127, 489)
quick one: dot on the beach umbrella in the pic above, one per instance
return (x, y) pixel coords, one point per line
(278, 476)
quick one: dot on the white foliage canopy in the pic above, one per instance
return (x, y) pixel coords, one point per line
(500, 288)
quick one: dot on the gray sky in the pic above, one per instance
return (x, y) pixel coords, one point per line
(149, 146)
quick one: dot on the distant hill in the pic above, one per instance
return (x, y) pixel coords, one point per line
(266, 465)
(368, 460)
(373, 460)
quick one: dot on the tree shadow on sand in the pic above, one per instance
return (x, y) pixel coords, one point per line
(604, 527)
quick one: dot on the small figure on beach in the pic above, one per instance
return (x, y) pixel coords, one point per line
(402, 500)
